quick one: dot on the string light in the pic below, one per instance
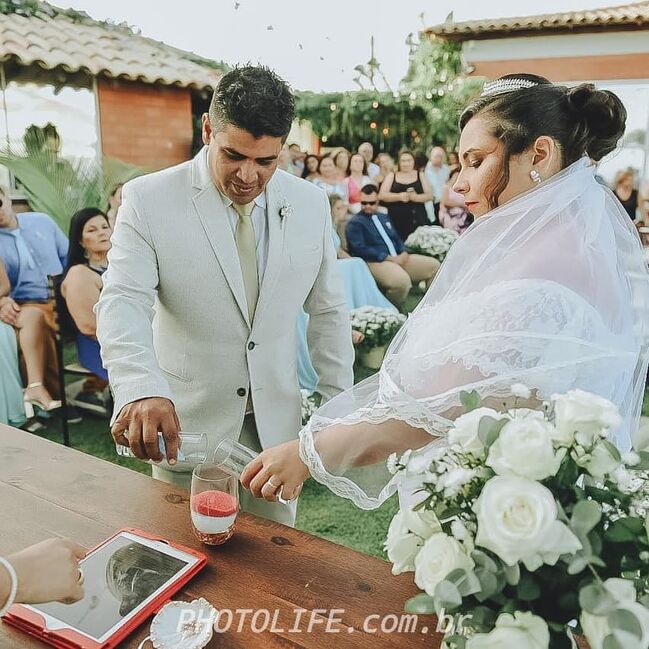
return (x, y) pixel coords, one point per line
(386, 131)
(332, 107)
(413, 95)
(372, 125)
(324, 138)
(375, 104)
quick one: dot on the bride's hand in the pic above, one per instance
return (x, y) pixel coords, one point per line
(277, 471)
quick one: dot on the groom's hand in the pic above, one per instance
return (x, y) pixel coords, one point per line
(137, 426)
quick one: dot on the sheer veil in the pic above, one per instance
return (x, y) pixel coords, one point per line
(550, 290)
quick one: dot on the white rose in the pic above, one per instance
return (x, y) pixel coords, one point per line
(599, 462)
(521, 630)
(524, 448)
(406, 534)
(465, 430)
(583, 416)
(517, 520)
(521, 391)
(439, 556)
(596, 627)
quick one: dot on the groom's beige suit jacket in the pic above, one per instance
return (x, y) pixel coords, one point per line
(173, 321)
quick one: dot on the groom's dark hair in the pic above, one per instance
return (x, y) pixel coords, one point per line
(254, 99)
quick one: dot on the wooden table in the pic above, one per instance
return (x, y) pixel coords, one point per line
(49, 490)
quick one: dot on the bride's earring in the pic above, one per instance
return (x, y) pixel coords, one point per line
(535, 176)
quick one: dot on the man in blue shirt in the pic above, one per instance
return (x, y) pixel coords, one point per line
(372, 237)
(32, 247)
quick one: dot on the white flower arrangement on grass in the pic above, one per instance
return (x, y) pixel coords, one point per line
(379, 325)
(432, 241)
(530, 523)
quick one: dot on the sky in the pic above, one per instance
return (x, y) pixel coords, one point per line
(313, 45)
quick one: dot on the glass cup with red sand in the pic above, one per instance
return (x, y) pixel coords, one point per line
(214, 504)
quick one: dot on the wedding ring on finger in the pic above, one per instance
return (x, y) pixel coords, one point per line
(81, 578)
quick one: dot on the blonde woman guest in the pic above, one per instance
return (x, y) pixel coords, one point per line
(310, 171)
(405, 192)
(625, 191)
(357, 178)
(329, 179)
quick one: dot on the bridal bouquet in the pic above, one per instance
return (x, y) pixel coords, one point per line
(431, 240)
(378, 324)
(529, 527)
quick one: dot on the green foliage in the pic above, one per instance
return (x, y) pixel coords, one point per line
(423, 111)
(60, 187)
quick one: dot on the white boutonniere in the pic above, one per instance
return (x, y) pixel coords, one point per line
(285, 210)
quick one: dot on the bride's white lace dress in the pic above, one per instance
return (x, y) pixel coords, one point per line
(550, 290)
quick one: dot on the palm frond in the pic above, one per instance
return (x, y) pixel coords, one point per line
(59, 186)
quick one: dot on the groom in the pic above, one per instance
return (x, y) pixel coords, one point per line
(212, 261)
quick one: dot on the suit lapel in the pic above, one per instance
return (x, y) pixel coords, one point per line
(275, 200)
(214, 219)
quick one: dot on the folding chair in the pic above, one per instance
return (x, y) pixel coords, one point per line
(54, 294)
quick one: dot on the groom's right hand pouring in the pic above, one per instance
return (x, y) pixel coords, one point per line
(137, 426)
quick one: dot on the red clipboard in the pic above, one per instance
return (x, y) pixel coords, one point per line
(34, 624)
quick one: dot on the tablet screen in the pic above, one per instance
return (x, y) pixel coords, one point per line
(119, 579)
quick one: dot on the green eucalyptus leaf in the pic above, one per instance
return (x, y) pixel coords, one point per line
(615, 453)
(483, 560)
(625, 530)
(421, 604)
(470, 400)
(577, 565)
(586, 514)
(595, 599)
(488, 584)
(447, 596)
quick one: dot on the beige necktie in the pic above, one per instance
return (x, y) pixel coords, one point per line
(247, 249)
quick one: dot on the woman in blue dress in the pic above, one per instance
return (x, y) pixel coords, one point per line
(360, 290)
(12, 410)
(87, 260)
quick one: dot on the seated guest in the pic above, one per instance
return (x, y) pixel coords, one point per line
(12, 411)
(357, 177)
(360, 290)
(87, 260)
(45, 572)
(627, 194)
(328, 179)
(372, 237)
(453, 213)
(310, 171)
(366, 149)
(32, 247)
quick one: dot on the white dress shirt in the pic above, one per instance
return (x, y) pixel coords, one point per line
(259, 225)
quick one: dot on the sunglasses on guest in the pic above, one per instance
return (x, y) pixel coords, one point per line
(369, 202)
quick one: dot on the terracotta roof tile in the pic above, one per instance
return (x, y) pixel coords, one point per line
(52, 42)
(634, 14)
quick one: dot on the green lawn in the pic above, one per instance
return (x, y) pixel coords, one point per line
(320, 512)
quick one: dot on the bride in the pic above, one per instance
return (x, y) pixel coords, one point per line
(547, 288)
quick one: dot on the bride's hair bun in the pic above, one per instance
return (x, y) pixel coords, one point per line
(600, 118)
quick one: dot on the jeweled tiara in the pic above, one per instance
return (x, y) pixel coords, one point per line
(506, 85)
